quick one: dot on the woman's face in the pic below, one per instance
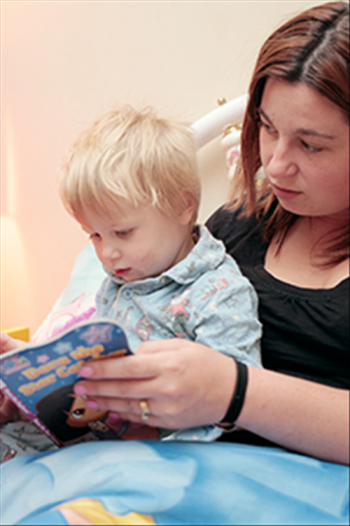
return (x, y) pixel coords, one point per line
(304, 149)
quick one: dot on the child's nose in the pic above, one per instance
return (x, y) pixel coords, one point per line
(110, 252)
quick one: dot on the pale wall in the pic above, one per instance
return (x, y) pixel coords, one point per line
(64, 64)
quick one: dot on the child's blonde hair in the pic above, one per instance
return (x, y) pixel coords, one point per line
(131, 157)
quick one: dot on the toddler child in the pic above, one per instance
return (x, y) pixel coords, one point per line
(132, 182)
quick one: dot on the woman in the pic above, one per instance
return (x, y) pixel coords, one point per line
(290, 237)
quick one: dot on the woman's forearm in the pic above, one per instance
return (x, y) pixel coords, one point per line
(300, 415)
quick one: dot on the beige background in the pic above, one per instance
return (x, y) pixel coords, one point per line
(64, 64)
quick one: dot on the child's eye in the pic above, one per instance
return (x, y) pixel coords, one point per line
(123, 233)
(94, 235)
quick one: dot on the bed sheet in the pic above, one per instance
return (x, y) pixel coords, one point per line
(173, 483)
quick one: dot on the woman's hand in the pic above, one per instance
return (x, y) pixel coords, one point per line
(8, 411)
(185, 384)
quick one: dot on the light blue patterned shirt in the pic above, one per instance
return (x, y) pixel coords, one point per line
(203, 298)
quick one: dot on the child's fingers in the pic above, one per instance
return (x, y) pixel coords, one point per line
(8, 411)
(7, 343)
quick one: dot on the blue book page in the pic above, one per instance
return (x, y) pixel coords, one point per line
(40, 379)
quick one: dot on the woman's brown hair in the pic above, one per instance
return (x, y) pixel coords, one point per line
(313, 49)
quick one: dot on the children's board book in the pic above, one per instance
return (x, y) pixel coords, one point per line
(39, 379)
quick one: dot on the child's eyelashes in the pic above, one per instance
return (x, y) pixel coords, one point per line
(120, 233)
(124, 233)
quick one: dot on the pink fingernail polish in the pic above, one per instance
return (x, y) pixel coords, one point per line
(91, 404)
(79, 390)
(85, 372)
(114, 416)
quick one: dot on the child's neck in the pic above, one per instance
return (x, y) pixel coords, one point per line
(188, 243)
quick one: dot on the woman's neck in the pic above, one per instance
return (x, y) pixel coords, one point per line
(297, 260)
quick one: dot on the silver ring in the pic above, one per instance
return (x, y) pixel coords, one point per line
(145, 411)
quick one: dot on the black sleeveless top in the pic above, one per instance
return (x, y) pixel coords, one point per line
(305, 331)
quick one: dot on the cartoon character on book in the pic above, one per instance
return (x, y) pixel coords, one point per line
(66, 414)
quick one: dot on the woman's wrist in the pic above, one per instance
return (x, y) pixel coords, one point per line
(237, 400)
(297, 414)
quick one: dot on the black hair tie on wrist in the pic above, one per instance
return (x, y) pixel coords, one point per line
(237, 401)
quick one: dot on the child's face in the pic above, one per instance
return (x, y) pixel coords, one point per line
(142, 242)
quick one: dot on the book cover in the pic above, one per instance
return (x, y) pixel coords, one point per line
(39, 379)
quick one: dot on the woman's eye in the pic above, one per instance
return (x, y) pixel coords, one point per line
(267, 127)
(310, 148)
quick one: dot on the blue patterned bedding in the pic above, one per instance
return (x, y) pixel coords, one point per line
(172, 483)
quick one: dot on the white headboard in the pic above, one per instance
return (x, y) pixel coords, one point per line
(213, 124)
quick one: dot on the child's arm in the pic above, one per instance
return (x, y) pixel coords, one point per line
(8, 411)
(225, 315)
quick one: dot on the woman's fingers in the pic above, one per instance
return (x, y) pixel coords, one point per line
(160, 346)
(120, 368)
(144, 364)
(132, 410)
(184, 383)
(142, 375)
(131, 389)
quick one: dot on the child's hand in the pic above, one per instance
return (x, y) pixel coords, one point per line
(8, 411)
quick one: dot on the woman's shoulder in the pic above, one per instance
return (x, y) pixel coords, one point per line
(224, 218)
(241, 234)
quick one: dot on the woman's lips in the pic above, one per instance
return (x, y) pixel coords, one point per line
(122, 272)
(282, 193)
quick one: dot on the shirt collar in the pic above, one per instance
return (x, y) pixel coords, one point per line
(207, 254)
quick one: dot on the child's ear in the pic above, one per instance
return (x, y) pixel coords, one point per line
(186, 215)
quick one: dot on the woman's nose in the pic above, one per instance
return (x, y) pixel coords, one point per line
(281, 161)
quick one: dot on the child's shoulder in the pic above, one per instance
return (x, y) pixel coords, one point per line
(211, 245)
